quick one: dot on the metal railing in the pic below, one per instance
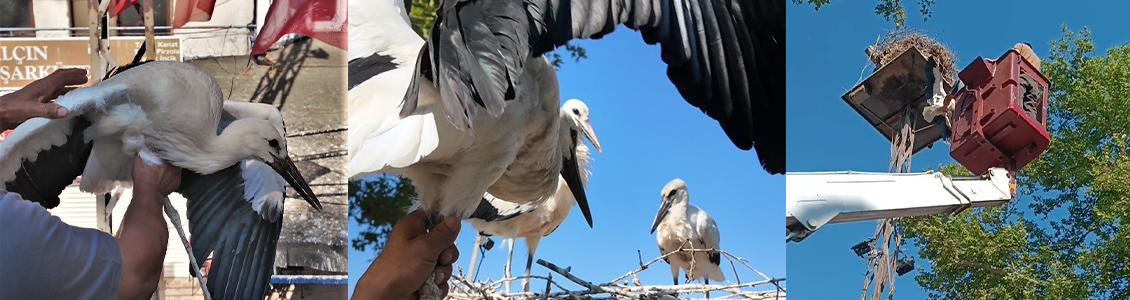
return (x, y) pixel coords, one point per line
(309, 279)
(125, 28)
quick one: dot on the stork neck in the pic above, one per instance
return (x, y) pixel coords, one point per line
(227, 149)
(677, 211)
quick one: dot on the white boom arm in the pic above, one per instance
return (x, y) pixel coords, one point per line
(815, 199)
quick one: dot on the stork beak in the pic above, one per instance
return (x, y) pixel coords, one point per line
(659, 215)
(571, 172)
(285, 167)
(586, 128)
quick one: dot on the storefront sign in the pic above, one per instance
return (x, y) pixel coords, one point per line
(23, 60)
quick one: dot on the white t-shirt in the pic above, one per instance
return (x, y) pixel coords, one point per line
(43, 258)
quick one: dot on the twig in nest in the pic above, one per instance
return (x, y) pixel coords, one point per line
(614, 289)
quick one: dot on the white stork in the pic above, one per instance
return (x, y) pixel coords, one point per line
(414, 105)
(547, 216)
(452, 167)
(233, 175)
(484, 54)
(685, 226)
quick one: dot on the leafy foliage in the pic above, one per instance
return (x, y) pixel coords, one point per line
(422, 13)
(890, 10)
(1066, 236)
(376, 205)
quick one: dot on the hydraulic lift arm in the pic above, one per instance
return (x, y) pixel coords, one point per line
(814, 199)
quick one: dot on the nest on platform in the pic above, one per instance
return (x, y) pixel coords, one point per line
(894, 42)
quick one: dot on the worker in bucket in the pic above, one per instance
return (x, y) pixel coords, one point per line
(940, 104)
(43, 258)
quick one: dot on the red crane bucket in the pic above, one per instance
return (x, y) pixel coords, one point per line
(1001, 114)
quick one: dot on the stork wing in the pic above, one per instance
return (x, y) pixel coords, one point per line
(726, 57)
(492, 209)
(380, 72)
(706, 230)
(238, 223)
(43, 180)
(376, 30)
(42, 156)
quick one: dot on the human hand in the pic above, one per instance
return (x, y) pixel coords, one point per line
(160, 179)
(34, 99)
(410, 255)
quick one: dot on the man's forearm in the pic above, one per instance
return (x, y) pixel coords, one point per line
(143, 239)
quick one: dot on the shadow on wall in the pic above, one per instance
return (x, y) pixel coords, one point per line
(276, 84)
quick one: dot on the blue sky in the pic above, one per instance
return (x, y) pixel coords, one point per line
(825, 58)
(649, 135)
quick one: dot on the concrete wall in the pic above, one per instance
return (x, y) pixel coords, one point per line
(51, 14)
(222, 42)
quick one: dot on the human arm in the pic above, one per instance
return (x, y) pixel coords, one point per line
(144, 235)
(409, 256)
(34, 99)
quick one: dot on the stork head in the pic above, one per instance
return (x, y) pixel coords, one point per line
(674, 192)
(261, 140)
(577, 114)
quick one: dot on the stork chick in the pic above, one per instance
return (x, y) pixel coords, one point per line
(685, 226)
(547, 216)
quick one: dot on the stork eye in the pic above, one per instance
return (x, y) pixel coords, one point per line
(576, 112)
(672, 193)
(274, 143)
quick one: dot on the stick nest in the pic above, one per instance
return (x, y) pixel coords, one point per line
(894, 42)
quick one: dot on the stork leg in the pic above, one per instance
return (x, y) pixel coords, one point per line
(175, 218)
(506, 269)
(707, 280)
(430, 290)
(675, 274)
(531, 247)
(675, 277)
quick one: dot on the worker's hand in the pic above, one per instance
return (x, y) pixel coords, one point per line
(409, 256)
(34, 99)
(161, 179)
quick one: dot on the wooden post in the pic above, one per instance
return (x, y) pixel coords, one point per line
(95, 45)
(150, 41)
(102, 215)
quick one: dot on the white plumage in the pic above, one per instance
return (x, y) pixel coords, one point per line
(155, 111)
(514, 156)
(684, 226)
(548, 215)
(233, 154)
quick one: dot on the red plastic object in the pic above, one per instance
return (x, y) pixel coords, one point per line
(990, 127)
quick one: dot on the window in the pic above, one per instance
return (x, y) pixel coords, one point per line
(16, 13)
(132, 16)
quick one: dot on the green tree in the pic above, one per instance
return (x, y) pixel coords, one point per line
(891, 10)
(1066, 236)
(376, 204)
